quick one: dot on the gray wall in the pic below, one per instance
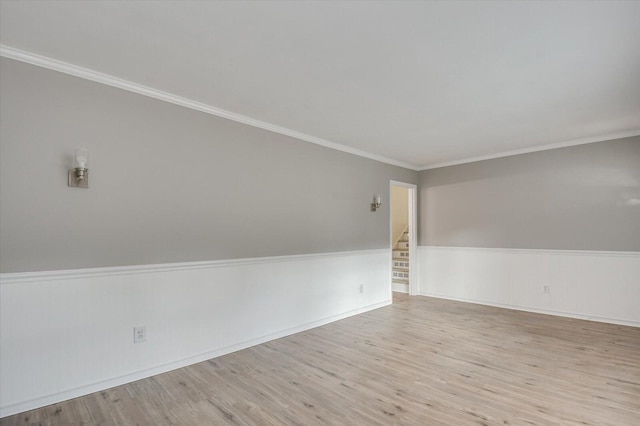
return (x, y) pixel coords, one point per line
(168, 184)
(584, 197)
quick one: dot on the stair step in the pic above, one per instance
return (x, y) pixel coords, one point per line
(403, 245)
(400, 263)
(401, 254)
(400, 274)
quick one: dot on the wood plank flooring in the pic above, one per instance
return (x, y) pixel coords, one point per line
(421, 361)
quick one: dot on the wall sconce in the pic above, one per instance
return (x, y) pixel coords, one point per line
(79, 175)
(376, 203)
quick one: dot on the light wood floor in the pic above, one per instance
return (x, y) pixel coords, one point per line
(421, 361)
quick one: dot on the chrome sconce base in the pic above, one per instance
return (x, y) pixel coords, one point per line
(78, 178)
(377, 203)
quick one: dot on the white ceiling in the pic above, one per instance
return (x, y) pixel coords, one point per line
(419, 83)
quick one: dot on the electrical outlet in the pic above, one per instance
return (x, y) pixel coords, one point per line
(546, 289)
(139, 334)
(361, 288)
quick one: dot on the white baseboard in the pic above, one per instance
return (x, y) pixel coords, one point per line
(594, 285)
(535, 311)
(66, 334)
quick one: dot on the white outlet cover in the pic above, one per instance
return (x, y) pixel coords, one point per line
(139, 334)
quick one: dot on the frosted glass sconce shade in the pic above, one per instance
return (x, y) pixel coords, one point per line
(78, 176)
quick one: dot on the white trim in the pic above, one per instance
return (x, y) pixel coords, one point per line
(571, 252)
(89, 74)
(109, 80)
(22, 277)
(403, 184)
(414, 271)
(535, 310)
(22, 406)
(98, 77)
(581, 141)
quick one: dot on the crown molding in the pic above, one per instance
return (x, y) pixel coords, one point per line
(98, 77)
(582, 141)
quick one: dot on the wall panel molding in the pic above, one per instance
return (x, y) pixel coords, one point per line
(65, 334)
(594, 285)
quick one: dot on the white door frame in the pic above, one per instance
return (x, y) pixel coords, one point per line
(413, 228)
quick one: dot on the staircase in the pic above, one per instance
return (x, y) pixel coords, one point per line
(400, 269)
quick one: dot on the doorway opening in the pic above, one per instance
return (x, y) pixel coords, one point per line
(403, 237)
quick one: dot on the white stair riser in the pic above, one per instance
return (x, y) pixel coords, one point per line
(400, 254)
(400, 269)
(400, 263)
(400, 274)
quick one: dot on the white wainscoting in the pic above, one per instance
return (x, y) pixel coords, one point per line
(599, 286)
(69, 333)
